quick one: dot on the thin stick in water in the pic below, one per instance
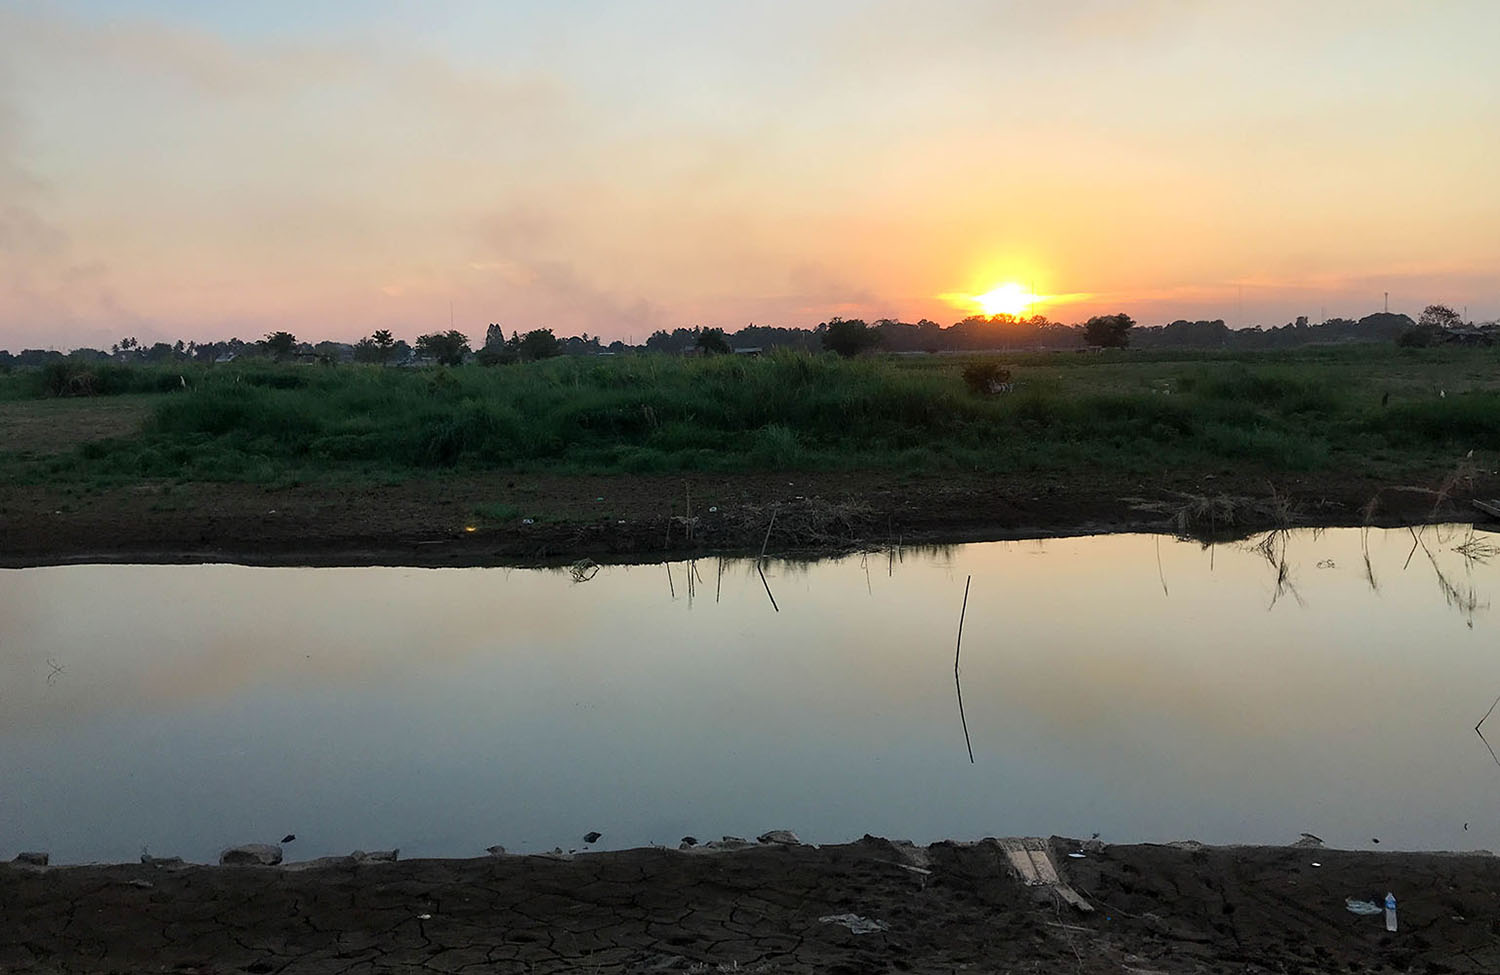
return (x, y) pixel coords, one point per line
(768, 588)
(1481, 733)
(1162, 575)
(956, 685)
(670, 588)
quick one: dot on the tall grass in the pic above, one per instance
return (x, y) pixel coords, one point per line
(787, 411)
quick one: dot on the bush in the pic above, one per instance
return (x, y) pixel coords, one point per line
(1420, 337)
(986, 377)
(106, 379)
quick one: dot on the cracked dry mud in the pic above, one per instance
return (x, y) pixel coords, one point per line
(948, 907)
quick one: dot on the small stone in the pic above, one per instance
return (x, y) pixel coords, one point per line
(374, 856)
(591, 836)
(1309, 841)
(318, 863)
(783, 836)
(495, 851)
(161, 863)
(33, 859)
(143, 884)
(289, 837)
(251, 854)
(688, 842)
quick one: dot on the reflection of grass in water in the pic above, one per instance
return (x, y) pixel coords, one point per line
(1476, 549)
(1465, 599)
(1273, 548)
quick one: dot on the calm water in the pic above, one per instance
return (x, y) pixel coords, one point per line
(1141, 688)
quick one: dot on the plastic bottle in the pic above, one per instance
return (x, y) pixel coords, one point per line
(1390, 911)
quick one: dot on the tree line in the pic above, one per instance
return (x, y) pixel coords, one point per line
(1435, 325)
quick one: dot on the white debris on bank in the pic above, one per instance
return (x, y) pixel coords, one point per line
(855, 923)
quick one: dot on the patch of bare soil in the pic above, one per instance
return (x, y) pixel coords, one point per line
(774, 909)
(46, 427)
(534, 519)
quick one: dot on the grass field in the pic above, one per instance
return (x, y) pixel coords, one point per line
(1372, 410)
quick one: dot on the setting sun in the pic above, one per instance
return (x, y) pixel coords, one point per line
(1007, 299)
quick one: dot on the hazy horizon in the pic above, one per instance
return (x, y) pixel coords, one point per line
(205, 171)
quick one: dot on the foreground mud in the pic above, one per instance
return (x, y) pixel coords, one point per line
(516, 519)
(945, 908)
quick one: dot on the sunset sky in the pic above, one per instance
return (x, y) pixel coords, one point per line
(179, 169)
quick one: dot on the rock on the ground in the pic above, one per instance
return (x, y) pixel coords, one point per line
(495, 851)
(783, 836)
(33, 859)
(318, 863)
(855, 923)
(251, 854)
(688, 842)
(377, 856)
(165, 863)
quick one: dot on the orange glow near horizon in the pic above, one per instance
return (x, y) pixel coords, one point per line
(1007, 299)
(452, 165)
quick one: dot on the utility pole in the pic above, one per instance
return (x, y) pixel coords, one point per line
(1387, 302)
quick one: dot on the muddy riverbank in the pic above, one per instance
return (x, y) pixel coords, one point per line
(767, 908)
(512, 519)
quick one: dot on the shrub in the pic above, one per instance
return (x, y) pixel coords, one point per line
(986, 377)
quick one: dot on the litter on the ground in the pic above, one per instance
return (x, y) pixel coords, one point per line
(1076, 856)
(1390, 911)
(855, 923)
(1030, 858)
(1316, 864)
(1355, 906)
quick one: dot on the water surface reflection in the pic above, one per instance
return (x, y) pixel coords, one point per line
(1143, 688)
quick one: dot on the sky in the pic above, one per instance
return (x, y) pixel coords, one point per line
(174, 169)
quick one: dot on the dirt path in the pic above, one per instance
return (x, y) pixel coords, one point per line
(528, 519)
(944, 908)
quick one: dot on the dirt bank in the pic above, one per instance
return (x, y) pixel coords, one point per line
(530, 519)
(946, 908)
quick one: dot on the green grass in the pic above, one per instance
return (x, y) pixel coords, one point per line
(1305, 410)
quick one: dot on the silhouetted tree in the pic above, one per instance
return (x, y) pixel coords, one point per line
(539, 343)
(448, 348)
(1108, 331)
(848, 338)
(1439, 316)
(377, 348)
(711, 341)
(280, 344)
